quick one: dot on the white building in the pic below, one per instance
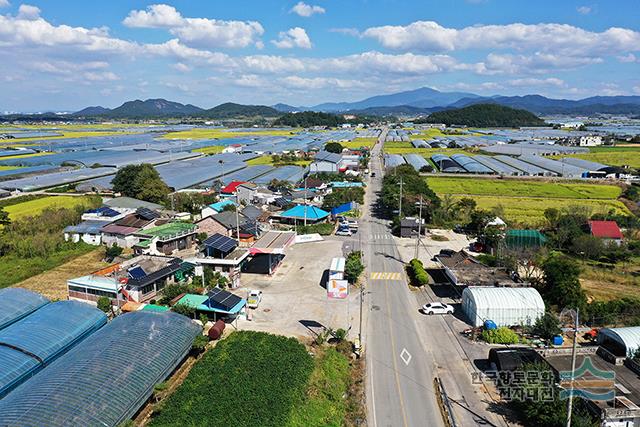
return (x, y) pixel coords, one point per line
(590, 141)
(504, 306)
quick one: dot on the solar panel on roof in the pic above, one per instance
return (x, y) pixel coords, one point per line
(147, 214)
(221, 243)
(137, 272)
(221, 299)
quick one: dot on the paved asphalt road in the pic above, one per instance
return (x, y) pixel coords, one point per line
(400, 372)
(405, 349)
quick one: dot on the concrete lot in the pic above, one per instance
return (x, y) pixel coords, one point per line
(294, 299)
(430, 247)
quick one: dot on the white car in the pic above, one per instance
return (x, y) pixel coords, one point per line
(437, 308)
(344, 232)
(254, 298)
(351, 223)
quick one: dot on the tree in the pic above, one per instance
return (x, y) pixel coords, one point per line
(333, 147)
(353, 267)
(587, 246)
(4, 217)
(104, 304)
(110, 252)
(141, 182)
(547, 326)
(561, 284)
(185, 310)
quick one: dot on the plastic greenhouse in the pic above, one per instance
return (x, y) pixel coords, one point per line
(105, 379)
(15, 303)
(505, 306)
(31, 343)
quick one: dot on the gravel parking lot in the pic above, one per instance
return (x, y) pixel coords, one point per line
(294, 299)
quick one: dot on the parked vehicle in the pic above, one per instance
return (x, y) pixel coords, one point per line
(351, 223)
(344, 232)
(437, 308)
(255, 296)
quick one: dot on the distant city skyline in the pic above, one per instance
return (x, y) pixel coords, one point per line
(57, 56)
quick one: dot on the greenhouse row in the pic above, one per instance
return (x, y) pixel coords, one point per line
(90, 373)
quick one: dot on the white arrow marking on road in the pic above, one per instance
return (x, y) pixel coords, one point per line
(405, 356)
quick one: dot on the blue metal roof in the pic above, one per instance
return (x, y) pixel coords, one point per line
(16, 303)
(87, 227)
(219, 206)
(299, 211)
(31, 343)
(105, 379)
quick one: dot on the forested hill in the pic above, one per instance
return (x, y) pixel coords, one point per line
(309, 119)
(485, 115)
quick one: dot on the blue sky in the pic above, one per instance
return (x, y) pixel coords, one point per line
(65, 55)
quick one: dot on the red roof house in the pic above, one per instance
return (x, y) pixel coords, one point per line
(231, 187)
(605, 230)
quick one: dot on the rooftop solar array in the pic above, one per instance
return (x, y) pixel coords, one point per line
(31, 343)
(417, 161)
(105, 379)
(221, 299)
(221, 243)
(16, 303)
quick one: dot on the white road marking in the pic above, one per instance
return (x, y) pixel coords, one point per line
(405, 356)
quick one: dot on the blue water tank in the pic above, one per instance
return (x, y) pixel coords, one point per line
(557, 340)
(490, 324)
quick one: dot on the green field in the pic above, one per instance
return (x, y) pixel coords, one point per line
(34, 207)
(612, 156)
(515, 188)
(211, 149)
(8, 168)
(406, 148)
(220, 133)
(359, 143)
(268, 160)
(248, 379)
(524, 201)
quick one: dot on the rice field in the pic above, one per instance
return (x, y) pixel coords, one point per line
(220, 133)
(524, 201)
(8, 168)
(211, 149)
(407, 148)
(530, 210)
(34, 207)
(612, 156)
(515, 188)
(360, 142)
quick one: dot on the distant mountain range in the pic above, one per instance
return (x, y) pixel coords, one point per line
(161, 108)
(416, 102)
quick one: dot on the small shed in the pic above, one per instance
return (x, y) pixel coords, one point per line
(620, 341)
(409, 227)
(505, 306)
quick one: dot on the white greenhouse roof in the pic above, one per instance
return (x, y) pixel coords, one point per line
(629, 337)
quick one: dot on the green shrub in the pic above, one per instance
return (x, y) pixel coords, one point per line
(324, 229)
(353, 266)
(501, 335)
(417, 273)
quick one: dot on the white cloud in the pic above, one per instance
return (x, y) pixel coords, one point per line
(561, 38)
(346, 31)
(528, 82)
(526, 64)
(306, 10)
(250, 80)
(28, 12)
(296, 82)
(294, 37)
(4, 3)
(100, 76)
(183, 68)
(199, 32)
(584, 10)
(627, 58)
(636, 89)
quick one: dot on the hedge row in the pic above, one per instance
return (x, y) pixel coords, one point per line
(419, 276)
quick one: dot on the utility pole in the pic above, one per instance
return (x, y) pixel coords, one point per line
(305, 202)
(573, 369)
(237, 218)
(400, 207)
(419, 230)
